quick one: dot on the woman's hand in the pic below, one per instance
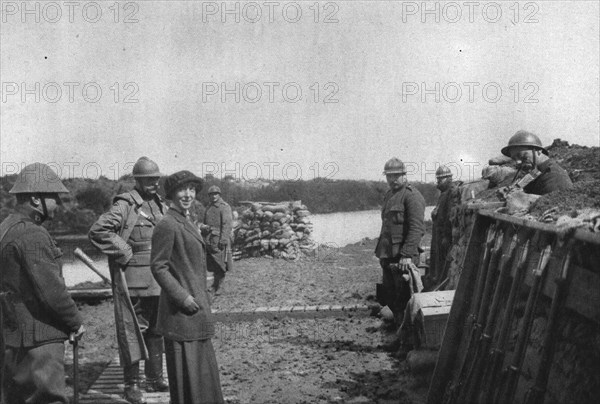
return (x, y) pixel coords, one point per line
(190, 306)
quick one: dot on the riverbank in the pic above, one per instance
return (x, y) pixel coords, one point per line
(312, 360)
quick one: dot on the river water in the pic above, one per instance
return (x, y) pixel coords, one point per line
(340, 229)
(333, 229)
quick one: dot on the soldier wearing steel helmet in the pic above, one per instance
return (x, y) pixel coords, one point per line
(441, 238)
(527, 151)
(37, 313)
(402, 228)
(219, 219)
(124, 233)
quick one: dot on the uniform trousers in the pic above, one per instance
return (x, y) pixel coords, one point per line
(193, 372)
(34, 375)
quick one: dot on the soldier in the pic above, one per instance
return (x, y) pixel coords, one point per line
(219, 219)
(527, 151)
(402, 227)
(37, 311)
(441, 239)
(124, 233)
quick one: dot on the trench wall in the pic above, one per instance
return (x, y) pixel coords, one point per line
(574, 375)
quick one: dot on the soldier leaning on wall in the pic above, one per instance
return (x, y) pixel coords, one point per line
(37, 313)
(441, 237)
(526, 150)
(402, 228)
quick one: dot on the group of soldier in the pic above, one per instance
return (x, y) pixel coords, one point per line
(402, 215)
(38, 315)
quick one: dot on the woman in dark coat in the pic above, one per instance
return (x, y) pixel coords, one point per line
(184, 317)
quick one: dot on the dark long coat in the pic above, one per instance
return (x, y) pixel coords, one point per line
(219, 217)
(441, 234)
(178, 263)
(31, 274)
(553, 178)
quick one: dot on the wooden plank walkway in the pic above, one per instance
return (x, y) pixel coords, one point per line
(108, 388)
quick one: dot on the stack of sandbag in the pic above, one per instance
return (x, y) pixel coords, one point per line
(279, 230)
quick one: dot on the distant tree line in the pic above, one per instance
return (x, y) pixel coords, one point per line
(91, 197)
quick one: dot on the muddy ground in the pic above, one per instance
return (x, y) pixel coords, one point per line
(323, 360)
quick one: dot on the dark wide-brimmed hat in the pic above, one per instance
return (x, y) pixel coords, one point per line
(179, 179)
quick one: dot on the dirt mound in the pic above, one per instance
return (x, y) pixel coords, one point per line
(581, 162)
(585, 194)
(583, 165)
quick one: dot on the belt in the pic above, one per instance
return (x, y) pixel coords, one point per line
(141, 247)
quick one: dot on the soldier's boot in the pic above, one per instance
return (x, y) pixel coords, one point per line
(217, 286)
(155, 382)
(131, 375)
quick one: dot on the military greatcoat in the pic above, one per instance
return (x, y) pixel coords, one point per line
(124, 234)
(441, 235)
(219, 217)
(37, 311)
(553, 178)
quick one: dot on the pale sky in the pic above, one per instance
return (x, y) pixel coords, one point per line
(377, 59)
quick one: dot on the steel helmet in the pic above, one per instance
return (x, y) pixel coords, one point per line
(214, 189)
(394, 166)
(524, 138)
(443, 172)
(145, 167)
(38, 178)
